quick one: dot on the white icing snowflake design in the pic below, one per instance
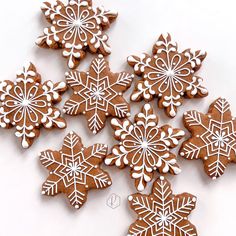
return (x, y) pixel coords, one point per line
(98, 94)
(213, 138)
(27, 104)
(74, 170)
(144, 146)
(168, 74)
(161, 213)
(75, 28)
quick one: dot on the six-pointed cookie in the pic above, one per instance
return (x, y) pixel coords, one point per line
(98, 94)
(27, 104)
(74, 170)
(168, 74)
(76, 28)
(161, 213)
(144, 146)
(213, 138)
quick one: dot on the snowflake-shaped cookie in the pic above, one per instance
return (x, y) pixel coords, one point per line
(161, 213)
(168, 74)
(144, 146)
(76, 27)
(27, 104)
(74, 170)
(213, 138)
(98, 94)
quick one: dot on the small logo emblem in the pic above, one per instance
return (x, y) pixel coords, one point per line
(113, 201)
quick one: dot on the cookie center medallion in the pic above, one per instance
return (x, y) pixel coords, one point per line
(170, 73)
(25, 103)
(78, 23)
(144, 144)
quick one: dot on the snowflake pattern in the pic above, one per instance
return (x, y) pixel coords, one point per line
(168, 74)
(213, 138)
(27, 104)
(75, 28)
(74, 170)
(98, 94)
(161, 213)
(144, 146)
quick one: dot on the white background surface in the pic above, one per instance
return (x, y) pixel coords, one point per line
(203, 24)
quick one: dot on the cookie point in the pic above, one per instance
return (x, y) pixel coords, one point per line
(94, 132)
(71, 132)
(162, 178)
(109, 183)
(194, 199)
(214, 178)
(130, 198)
(76, 206)
(43, 192)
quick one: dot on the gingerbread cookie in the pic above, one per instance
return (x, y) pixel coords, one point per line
(76, 28)
(161, 213)
(213, 137)
(74, 170)
(27, 104)
(168, 75)
(144, 147)
(98, 94)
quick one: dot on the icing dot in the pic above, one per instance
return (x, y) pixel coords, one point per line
(182, 154)
(130, 198)
(162, 178)
(214, 178)
(194, 199)
(109, 182)
(76, 206)
(43, 192)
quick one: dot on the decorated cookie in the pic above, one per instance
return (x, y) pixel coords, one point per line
(213, 138)
(76, 28)
(144, 147)
(161, 213)
(74, 170)
(27, 104)
(98, 94)
(168, 75)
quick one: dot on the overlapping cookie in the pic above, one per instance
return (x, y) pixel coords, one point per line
(76, 28)
(74, 170)
(27, 104)
(168, 74)
(144, 147)
(161, 213)
(213, 137)
(98, 94)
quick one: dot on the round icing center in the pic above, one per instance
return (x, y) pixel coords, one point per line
(74, 168)
(77, 23)
(144, 144)
(25, 102)
(163, 218)
(170, 73)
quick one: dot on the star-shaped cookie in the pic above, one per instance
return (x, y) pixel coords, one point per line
(168, 74)
(161, 213)
(27, 104)
(74, 170)
(144, 147)
(76, 28)
(98, 94)
(213, 137)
